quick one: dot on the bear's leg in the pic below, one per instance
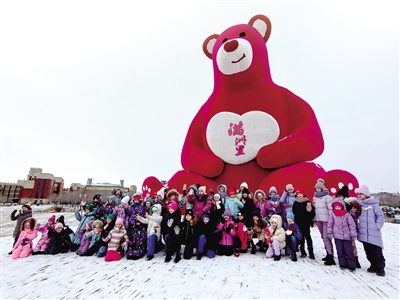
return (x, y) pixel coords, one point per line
(184, 177)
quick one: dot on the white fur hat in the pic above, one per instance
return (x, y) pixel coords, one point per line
(125, 199)
(244, 184)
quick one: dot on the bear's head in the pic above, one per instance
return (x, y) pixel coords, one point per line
(239, 53)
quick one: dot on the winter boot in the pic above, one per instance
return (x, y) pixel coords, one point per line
(167, 258)
(253, 248)
(149, 257)
(277, 257)
(199, 256)
(177, 257)
(311, 252)
(381, 272)
(237, 252)
(329, 260)
(9, 253)
(293, 256)
(372, 269)
(357, 262)
(324, 259)
(302, 252)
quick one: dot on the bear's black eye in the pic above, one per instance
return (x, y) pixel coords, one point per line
(224, 40)
(242, 34)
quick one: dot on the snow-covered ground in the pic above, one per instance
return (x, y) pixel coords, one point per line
(68, 276)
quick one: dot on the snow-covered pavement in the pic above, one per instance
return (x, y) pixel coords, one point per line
(68, 276)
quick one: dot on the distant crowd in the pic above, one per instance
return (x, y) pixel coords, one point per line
(228, 222)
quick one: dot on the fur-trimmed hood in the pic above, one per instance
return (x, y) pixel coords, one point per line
(260, 191)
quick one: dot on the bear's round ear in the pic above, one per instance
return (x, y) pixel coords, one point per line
(208, 45)
(262, 24)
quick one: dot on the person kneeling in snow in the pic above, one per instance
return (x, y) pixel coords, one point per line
(60, 241)
(226, 227)
(293, 236)
(90, 243)
(277, 238)
(23, 246)
(118, 239)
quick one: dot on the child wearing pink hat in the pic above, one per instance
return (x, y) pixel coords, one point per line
(23, 246)
(118, 240)
(45, 229)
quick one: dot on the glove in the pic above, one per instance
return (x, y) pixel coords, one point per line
(330, 236)
(218, 205)
(292, 229)
(269, 241)
(176, 229)
(119, 249)
(223, 221)
(170, 222)
(14, 212)
(288, 232)
(25, 241)
(228, 230)
(353, 238)
(244, 228)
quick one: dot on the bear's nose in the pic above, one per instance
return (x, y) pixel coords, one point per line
(231, 46)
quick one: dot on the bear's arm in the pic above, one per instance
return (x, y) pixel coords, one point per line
(194, 157)
(302, 140)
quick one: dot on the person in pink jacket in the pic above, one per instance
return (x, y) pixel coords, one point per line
(23, 246)
(45, 229)
(227, 228)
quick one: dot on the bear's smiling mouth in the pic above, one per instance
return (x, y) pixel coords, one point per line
(234, 62)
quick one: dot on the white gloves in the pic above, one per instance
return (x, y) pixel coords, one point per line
(170, 222)
(288, 232)
(176, 229)
(244, 228)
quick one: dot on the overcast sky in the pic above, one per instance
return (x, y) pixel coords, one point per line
(108, 89)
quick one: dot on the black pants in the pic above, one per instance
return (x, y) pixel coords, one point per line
(305, 232)
(374, 256)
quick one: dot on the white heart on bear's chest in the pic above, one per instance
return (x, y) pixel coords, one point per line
(237, 139)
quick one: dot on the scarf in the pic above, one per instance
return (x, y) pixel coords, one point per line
(321, 194)
(274, 197)
(302, 200)
(339, 213)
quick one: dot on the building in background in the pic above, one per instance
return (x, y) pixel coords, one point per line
(106, 186)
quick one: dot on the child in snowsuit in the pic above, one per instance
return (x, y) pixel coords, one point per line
(201, 202)
(206, 241)
(226, 227)
(24, 213)
(288, 197)
(370, 224)
(262, 203)
(170, 230)
(107, 227)
(342, 228)
(257, 231)
(23, 246)
(137, 245)
(90, 243)
(241, 234)
(276, 239)
(233, 203)
(118, 240)
(44, 229)
(293, 236)
(60, 241)
(187, 236)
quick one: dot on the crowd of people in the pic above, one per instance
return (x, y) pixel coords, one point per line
(226, 222)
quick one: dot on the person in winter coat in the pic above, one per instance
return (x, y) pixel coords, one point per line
(322, 203)
(122, 211)
(342, 228)
(276, 205)
(249, 205)
(262, 203)
(44, 229)
(217, 210)
(76, 237)
(66, 228)
(187, 236)
(343, 194)
(288, 197)
(153, 220)
(293, 236)
(276, 239)
(233, 203)
(241, 234)
(223, 192)
(90, 242)
(60, 241)
(137, 245)
(24, 213)
(370, 224)
(239, 193)
(136, 208)
(304, 214)
(170, 230)
(206, 240)
(226, 227)
(183, 203)
(201, 203)
(23, 246)
(118, 239)
(257, 231)
(108, 208)
(107, 227)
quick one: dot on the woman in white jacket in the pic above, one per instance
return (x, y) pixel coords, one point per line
(153, 221)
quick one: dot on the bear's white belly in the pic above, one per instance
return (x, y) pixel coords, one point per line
(237, 139)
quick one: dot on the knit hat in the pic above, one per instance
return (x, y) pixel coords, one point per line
(111, 217)
(299, 190)
(337, 203)
(52, 219)
(97, 196)
(290, 215)
(320, 185)
(119, 221)
(227, 212)
(153, 209)
(273, 189)
(89, 207)
(149, 200)
(344, 192)
(174, 198)
(205, 216)
(27, 206)
(59, 225)
(363, 190)
(244, 184)
(125, 199)
(173, 205)
(97, 224)
(112, 197)
(245, 191)
(202, 189)
(89, 224)
(137, 196)
(231, 191)
(289, 187)
(61, 219)
(190, 212)
(218, 196)
(257, 212)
